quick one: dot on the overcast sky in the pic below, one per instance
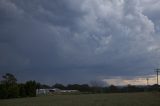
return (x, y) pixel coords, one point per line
(77, 41)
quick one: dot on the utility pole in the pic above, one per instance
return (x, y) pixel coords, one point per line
(147, 81)
(157, 71)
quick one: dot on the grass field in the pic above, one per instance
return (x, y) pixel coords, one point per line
(121, 99)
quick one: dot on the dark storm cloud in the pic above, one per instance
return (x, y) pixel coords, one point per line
(77, 40)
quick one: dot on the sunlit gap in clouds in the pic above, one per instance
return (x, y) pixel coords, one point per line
(139, 80)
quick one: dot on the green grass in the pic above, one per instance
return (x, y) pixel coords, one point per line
(121, 99)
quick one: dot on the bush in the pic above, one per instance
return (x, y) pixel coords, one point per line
(3, 92)
(13, 91)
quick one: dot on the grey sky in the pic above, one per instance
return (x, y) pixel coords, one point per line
(76, 41)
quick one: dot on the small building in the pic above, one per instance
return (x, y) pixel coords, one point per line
(46, 91)
(69, 91)
(52, 91)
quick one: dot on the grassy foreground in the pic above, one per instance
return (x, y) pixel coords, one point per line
(121, 99)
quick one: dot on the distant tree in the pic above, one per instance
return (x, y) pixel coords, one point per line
(43, 86)
(30, 87)
(59, 86)
(82, 88)
(85, 88)
(113, 88)
(106, 90)
(97, 86)
(154, 87)
(73, 86)
(132, 88)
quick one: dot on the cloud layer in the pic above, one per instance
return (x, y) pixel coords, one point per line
(79, 40)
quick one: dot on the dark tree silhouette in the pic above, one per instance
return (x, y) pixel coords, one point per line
(9, 87)
(59, 86)
(22, 90)
(113, 88)
(9, 79)
(30, 87)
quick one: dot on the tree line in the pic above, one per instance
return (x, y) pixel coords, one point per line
(9, 88)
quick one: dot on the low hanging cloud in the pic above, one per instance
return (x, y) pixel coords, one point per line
(79, 40)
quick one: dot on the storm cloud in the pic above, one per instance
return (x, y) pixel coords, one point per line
(76, 41)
